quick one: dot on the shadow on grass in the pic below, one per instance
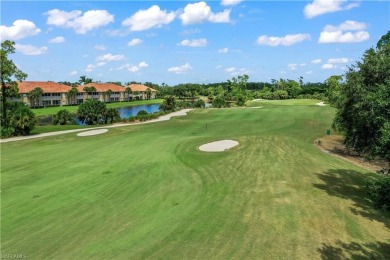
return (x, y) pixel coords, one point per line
(355, 250)
(350, 185)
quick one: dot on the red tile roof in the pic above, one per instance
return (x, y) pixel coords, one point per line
(140, 88)
(102, 87)
(47, 87)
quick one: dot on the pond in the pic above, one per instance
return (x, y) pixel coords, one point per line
(125, 112)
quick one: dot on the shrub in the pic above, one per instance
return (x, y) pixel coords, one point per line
(142, 113)
(92, 112)
(219, 101)
(240, 100)
(168, 104)
(379, 192)
(21, 120)
(111, 115)
(63, 117)
(200, 103)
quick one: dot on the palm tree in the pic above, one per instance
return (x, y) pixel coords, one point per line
(84, 80)
(35, 96)
(128, 91)
(89, 91)
(136, 93)
(72, 93)
(108, 93)
(148, 93)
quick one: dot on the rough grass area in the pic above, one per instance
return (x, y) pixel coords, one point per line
(73, 109)
(146, 191)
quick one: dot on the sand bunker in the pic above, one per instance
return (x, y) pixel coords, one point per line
(218, 146)
(255, 107)
(93, 132)
(321, 104)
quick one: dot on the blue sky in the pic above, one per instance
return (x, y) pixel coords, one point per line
(190, 41)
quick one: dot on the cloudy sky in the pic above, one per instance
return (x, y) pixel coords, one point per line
(190, 41)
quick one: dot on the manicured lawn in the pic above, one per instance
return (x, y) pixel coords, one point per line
(146, 191)
(73, 109)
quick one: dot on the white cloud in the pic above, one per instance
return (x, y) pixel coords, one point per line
(194, 43)
(338, 60)
(292, 66)
(134, 42)
(110, 57)
(343, 33)
(328, 66)
(134, 68)
(58, 39)
(89, 68)
(61, 18)
(101, 63)
(287, 40)
(90, 20)
(230, 70)
(20, 29)
(143, 64)
(201, 12)
(316, 61)
(309, 72)
(346, 26)
(218, 67)
(230, 2)
(302, 64)
(233, 71)
(223, 50)
(181, 69)
(30, 49)
(147, 19)
(73, 73)
(319, 7)
(100, 47)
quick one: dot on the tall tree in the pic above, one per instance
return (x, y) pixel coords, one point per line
(84, 80)
(363, 109)
(10, 74)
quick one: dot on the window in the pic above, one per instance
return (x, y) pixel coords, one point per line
(79, 101)
(46, 103)
(56, 102)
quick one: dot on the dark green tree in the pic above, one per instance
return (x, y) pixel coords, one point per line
(9, 76)
(92, 112)
(84, 80)
(363, 109)
(169, 104)
(22, 119)
(63, 117)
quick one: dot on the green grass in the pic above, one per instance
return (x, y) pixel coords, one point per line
(146, 191)
(73, 109)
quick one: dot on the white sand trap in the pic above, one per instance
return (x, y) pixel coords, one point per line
(258, 99)
(255, 107)
(321, 104)
(218, 146)
(93, 132)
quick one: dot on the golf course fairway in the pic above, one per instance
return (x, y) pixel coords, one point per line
(147, 191)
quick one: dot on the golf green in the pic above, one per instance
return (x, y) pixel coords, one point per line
(147, 191)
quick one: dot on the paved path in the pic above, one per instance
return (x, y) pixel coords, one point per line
(161, 118)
